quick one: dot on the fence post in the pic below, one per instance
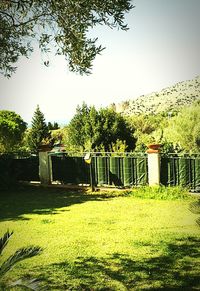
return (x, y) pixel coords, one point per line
(45, 168)
(88, 159)
(153, 164)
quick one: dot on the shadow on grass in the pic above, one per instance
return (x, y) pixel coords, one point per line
(178, 268)
(38, 200)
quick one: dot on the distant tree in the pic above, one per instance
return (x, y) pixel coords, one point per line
(63, 23)
(90, 129)
(39, 131)
(114, 127)
(53, 126)
(184, 129)
(12, 128)
(148, 128)
(77, 129)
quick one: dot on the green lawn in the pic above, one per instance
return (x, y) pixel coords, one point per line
(102, 241)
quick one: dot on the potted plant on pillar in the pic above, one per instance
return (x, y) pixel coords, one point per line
(46, 145)
(155, 144)
(153, 148)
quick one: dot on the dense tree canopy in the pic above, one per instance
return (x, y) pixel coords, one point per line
(90, 129)
(104, 130)
(12, 128)
(63, 23)
(107, 130)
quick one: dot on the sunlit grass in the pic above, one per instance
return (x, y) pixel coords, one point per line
(96, 241)
(161, 192)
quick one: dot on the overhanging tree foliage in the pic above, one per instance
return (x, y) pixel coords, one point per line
(63, 23)
(12, 128)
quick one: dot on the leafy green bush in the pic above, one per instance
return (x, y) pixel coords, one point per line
(12, 128)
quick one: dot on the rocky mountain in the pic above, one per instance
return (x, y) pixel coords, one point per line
(167, 100)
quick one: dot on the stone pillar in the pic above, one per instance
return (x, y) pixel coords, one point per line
(154, 164)
(45, 168)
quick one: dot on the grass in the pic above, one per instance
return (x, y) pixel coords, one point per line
(161, 192)
(103, 241)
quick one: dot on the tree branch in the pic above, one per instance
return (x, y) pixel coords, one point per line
(31, 19)
(8, 15)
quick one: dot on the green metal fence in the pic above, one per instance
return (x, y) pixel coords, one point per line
(106, 170)
(180, 171)
(115, 167)
(70, 170)
(18, 167)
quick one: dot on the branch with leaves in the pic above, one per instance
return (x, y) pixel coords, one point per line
(62, 24)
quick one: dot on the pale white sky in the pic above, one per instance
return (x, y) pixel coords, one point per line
(162, 47)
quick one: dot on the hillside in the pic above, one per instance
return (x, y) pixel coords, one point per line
(167, 100)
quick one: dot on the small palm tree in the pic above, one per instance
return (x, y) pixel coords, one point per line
(19, 255)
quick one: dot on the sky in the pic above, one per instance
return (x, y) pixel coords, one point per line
(161, 48)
